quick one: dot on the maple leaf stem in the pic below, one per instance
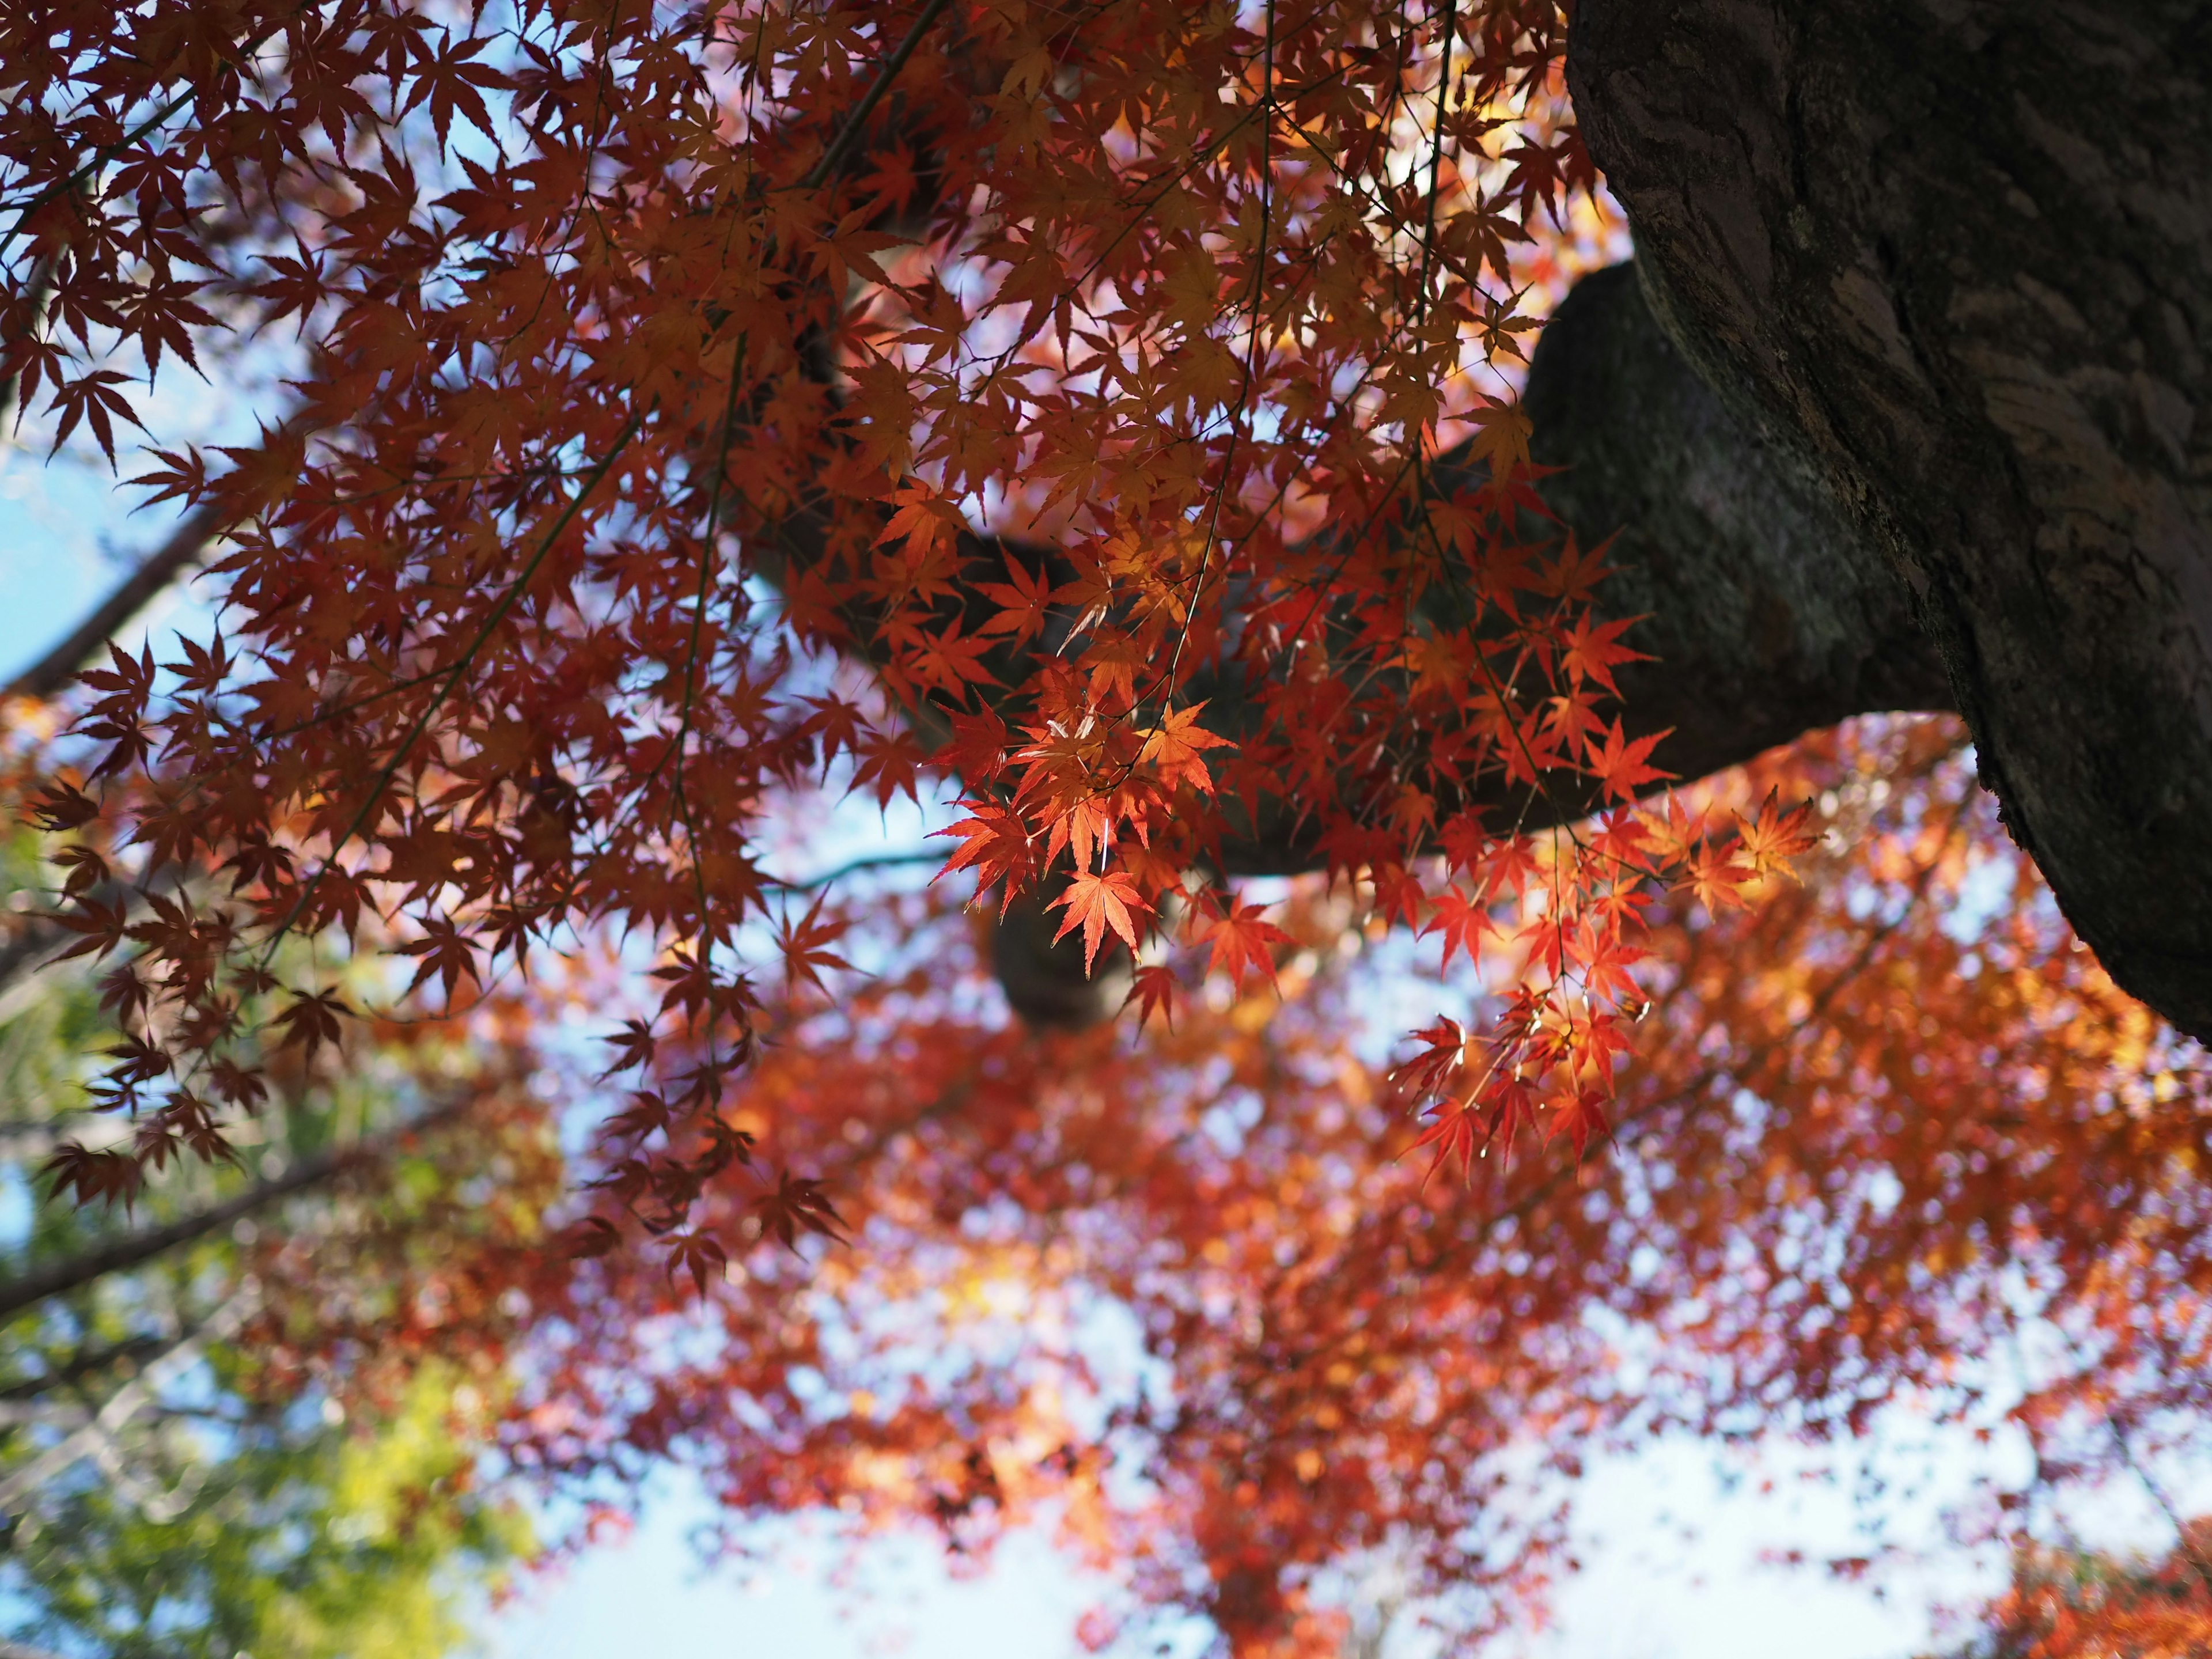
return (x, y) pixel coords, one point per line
(835, 153)
(1496, 690)
(107, 153)
(675, 746)
(1240, 416)
(1448, 39)
(453, 675)
(1199, 156)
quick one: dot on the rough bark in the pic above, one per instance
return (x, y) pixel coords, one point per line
(1765, 610)
(1959, 254)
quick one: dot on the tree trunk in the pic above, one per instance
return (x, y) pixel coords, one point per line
(1957, 254)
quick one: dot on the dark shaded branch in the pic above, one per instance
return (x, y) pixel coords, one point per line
(86, 1362)
(178, 1356)
(1768, 612)
(853, 866)
(136, 1248)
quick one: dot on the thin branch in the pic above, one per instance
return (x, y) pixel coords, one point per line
(88, 1362)
(107, 153)
(2185, 1542)
(491, 621)
(136, 1248)
(1450, 33)
(853, 866)
(846, 134)
(127, 1401)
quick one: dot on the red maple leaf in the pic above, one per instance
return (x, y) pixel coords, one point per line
(1462, 919)
(1243, 941)
(1620, 764)
(1153, 989)
(1096, 903)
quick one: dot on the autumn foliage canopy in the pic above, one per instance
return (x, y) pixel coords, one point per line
(1106, 414)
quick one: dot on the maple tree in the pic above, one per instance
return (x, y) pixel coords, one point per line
(166, 1487)
(532, 684)
(1877, 1130)
(1115, 411)
(2063, 1602)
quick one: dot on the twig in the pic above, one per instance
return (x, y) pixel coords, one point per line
(853, 866)
(497, 614)
(127, 1401)
(846, 134)
(134, 1248)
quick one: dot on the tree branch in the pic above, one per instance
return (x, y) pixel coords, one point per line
(1767, 611)
(87, 1362)
(136, 1248)
(127, 1401)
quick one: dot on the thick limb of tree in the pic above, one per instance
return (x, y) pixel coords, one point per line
(1766, 613)
(1959, 256)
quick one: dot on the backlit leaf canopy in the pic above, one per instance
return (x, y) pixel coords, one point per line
(653, 359)
(1106, 413)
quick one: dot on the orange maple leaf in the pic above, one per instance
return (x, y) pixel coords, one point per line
(1775, 837)
(1621, 763)
(995, 843)
(1096, 903)
(1173, 746)
(1153, 989)
(1241, 941)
